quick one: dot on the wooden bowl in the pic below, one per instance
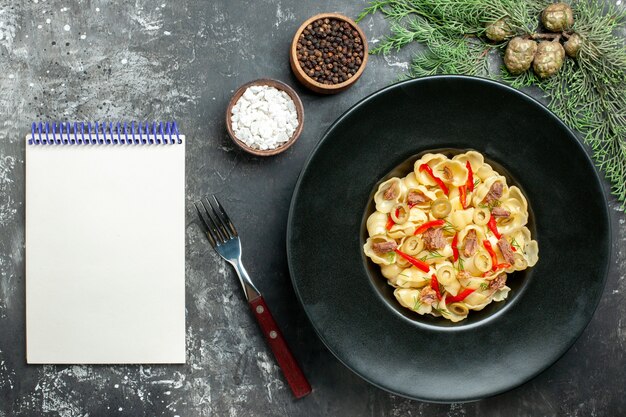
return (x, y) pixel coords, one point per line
(310, 83)
(280, 86)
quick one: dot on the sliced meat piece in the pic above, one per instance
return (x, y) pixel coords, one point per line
(463, 275)
(494, 193)
(433, 238)
(471, 244)
(498, 282)
(391, 192)
(500, 212)
(447, 173)
(507, 252)
(428, 295)
(416, 197)
(384, 247)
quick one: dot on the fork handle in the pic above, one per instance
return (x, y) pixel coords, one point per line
(293, 374)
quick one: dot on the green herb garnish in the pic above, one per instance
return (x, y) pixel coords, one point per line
(449, 228)
(418, 303)
(516, 245)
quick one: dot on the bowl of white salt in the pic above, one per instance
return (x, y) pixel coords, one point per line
(265, 117)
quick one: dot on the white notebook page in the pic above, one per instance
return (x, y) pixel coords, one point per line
(105, 253)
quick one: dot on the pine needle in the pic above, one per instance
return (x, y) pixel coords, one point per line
(588, 94)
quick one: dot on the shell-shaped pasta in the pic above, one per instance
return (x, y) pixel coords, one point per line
(435, 256)
(482, 189)
(516, 193)
(412, 278)
(410, 298)
(417, 215)
(385, 205)
(398, 231)
(451, 172)
(472, 282)
(475, 159)
(431, 159)
(421, 189)
(461, 218)
(532, 252)
(513, 205)
(390, 271)
(477, 300)
(519, 238)
(485, 171)
(520, 263)
(380, 259)
(410, 181)
(480, 234)
(501, 294)
(376, 223)
(514, 222)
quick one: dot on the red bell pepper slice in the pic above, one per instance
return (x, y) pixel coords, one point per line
(440, 183)
(455, 249)
(470, 177)
(504, 265)
(460, 296)
(428, 225)
(493, 227)
(494, 258)
(463, 196)
(390, 222)
(434, 284)
(415, 262)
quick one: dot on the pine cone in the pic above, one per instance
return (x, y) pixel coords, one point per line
(498, 30)
(519, 54)
(548, 59)
(557, 17)
(573, 44)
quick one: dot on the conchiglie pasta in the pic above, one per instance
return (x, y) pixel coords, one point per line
(475, 159)
(376, 223)
(452, 172)
(379, 258)
(390, 271)
(410, 298)
(412, 278)
(389, 194)
(438, 242)
(431, 160)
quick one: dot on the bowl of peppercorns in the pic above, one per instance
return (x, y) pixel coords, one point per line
(328, 53)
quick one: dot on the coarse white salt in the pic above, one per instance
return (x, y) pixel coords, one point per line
(264, 117)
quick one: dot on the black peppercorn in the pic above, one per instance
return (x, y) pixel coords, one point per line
(330, 51)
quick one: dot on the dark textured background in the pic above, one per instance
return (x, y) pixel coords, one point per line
(166, 59)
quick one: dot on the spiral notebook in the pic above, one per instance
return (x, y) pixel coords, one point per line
(105, 243)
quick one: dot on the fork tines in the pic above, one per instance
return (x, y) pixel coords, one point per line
(217, 224)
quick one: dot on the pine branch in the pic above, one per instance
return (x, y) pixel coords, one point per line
(588, 94)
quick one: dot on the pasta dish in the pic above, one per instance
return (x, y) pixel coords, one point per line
(447, 235)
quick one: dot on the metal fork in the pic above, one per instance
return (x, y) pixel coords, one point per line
(224, 238)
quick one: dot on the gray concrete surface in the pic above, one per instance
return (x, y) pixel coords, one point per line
(166, 59)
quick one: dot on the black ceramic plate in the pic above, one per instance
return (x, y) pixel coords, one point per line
(348, 301)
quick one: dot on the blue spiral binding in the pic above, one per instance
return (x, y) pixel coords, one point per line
(101, 133)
